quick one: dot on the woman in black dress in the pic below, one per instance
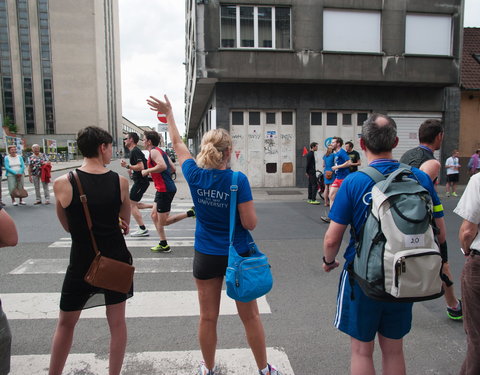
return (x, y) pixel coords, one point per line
(107, 196)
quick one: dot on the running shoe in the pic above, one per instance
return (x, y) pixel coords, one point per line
(23, 203)
(161, 249)
(314, 202)
(454, 194)
(447, 194)
(203, 370)
(455, 314)
(271, 371)
(325, 219)
(15, 203)
(140, 233)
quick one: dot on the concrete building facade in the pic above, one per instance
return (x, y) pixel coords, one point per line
(282, 74)
(60, 67)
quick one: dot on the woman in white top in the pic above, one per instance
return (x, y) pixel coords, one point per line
(15, 167)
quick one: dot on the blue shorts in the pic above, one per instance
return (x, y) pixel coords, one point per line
(362, 317)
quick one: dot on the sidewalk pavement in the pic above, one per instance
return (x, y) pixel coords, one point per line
(259, 193)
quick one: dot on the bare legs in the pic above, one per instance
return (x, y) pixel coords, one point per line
(393, 361)
(136, 213)
(209, 292)
(63, 338)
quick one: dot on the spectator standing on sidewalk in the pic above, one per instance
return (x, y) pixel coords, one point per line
(341, 168)
(328, 174)
(362, 317)
(311, 173)
(354, 157)
(453, 174)
(210, 180)
(138, 162)
(160, 167)
(15, 167)
(430, 135)
(474, 163)
(469, 209)
(35, 163)
(8, 237)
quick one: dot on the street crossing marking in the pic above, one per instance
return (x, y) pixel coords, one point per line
(142, 265)
(142, 305)
(136, 242)
(236, 361)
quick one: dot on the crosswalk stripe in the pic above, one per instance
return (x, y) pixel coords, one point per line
(134, 243)
(142, 305)
(236, 361)
(142, 265)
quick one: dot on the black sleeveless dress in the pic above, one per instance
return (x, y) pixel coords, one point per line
(104, 201)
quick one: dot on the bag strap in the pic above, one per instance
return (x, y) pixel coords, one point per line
(233, 205)
(83, 199)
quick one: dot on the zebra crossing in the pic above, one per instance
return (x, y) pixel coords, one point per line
(172, 302)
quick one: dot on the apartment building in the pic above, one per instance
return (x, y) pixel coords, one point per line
(279, 75)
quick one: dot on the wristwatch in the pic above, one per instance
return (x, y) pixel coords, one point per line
(328, 263)
(128, 166)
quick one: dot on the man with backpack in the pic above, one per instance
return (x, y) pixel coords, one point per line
(360, 316)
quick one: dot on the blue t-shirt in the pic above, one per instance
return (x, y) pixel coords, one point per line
(354, 197)
(210, 189)
(341, 157)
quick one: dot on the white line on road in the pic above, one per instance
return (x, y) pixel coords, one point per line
(142, 265)
(237, 361)
(136, 242)
(142, 305)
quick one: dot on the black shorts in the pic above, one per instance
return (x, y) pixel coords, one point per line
(138, 189)
(452, 177)
(207, 266)
(164, 201)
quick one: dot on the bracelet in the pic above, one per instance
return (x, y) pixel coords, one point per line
(328, 263)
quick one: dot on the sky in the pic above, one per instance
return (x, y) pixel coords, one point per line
(152, 47)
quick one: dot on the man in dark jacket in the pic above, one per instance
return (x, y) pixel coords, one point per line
(312, 175)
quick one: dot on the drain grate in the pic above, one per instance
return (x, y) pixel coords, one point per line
(284, 192)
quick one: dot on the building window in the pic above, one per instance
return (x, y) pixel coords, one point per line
(237, 118)
(255, 27)
(361, 118)
(351, 31)
(316, 118)
(332, 118)
(428, 34)
(271, 118)
(346, 119)
(287, 118)
(254, 118)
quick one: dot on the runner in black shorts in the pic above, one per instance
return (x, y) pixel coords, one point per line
(160, 167)
(138, 162)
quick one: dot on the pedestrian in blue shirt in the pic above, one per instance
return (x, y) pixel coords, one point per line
(209, 179)
(362, 317)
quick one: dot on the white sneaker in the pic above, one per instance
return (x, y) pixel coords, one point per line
(203, 370)
(140, 233)
(271, 371)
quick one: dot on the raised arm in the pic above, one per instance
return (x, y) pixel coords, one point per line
(165, 107)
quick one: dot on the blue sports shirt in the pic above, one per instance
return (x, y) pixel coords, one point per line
(353, 199)
(341, 157)
(210, 189)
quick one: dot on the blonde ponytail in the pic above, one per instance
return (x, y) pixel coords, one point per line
(214, 144)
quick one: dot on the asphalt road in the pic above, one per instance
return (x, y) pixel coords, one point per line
(301, 305)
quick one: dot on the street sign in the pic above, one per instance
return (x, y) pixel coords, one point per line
(162, 128)
(162, 117)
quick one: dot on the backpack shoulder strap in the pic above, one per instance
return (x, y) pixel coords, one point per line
(373, 173)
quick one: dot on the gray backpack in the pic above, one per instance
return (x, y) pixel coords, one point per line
(397, 254)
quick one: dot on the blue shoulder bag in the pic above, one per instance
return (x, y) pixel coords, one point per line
(247, 277)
